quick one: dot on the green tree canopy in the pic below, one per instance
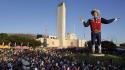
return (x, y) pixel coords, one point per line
(19, 40)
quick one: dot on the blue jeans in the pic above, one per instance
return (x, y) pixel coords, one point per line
(94, 37)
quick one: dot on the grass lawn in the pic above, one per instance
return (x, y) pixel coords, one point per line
(93, 59)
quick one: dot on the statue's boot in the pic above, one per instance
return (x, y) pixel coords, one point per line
(93, 48)
(100, 49)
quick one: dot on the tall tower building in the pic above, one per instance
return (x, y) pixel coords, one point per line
(61, 22)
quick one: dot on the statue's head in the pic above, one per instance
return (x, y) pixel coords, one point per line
(95, 12)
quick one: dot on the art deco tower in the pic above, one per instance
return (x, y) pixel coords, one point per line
(61, 22)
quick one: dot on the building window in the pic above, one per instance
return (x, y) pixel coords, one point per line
(71, 43)
(53, 43)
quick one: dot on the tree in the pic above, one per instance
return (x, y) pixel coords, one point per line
(122, 44)
(18, 40)
(108, 46)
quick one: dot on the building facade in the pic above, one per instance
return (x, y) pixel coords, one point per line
(70, 41)
(62, 40)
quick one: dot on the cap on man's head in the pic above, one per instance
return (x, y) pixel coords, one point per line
(95, 10)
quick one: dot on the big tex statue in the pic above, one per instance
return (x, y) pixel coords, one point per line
(95, 24)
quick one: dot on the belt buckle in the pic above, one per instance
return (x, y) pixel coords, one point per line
(96, 30)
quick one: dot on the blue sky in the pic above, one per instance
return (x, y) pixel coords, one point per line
(31, 16)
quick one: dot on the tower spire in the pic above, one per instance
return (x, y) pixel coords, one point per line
(61, 22)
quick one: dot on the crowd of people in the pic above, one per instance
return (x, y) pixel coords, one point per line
(52, 59)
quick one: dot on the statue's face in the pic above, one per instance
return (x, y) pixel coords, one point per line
(95, 14)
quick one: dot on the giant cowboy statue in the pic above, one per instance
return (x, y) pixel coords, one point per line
(95, 24)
